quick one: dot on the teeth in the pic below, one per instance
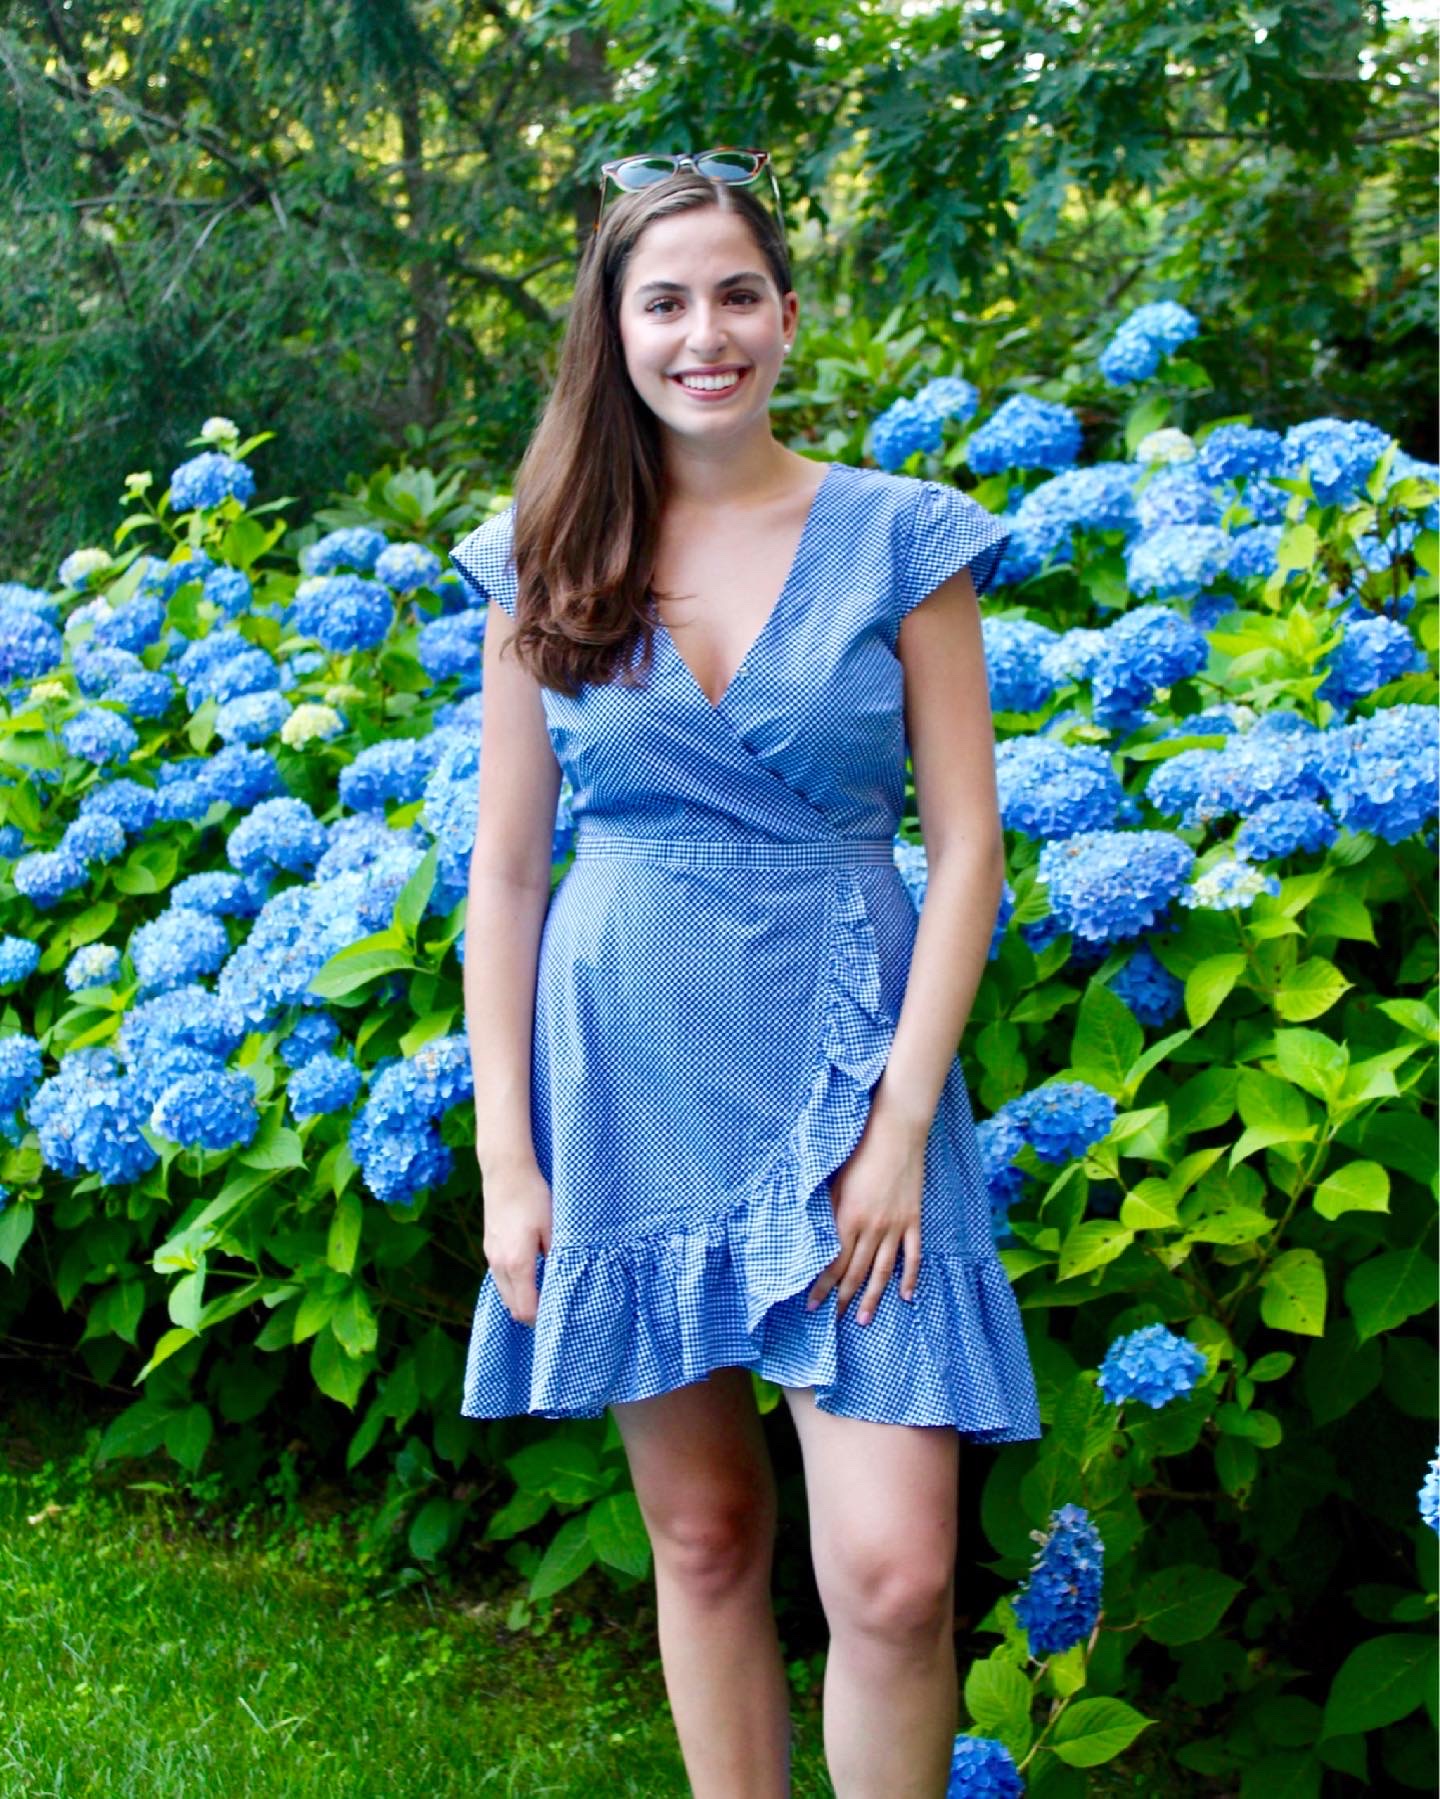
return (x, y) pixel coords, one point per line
(709, 383)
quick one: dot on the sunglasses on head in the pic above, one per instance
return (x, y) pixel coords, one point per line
(739, 167)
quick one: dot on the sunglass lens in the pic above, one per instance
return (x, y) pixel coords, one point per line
(644, 171)
(728, 165)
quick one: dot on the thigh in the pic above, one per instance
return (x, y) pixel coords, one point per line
(698, 1453)
(881, 1498)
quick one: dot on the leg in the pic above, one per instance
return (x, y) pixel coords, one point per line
(883, 1538)
(707, 1493)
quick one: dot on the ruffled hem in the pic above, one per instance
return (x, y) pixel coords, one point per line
(617, 1323)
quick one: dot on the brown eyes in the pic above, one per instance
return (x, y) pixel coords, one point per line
(740, 294)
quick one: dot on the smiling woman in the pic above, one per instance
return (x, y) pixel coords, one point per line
(716, 1084)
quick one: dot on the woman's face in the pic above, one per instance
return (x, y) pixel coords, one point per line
(698, 297)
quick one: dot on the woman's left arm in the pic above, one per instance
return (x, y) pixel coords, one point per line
(952, 747)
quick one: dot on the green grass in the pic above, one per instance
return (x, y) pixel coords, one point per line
(154, 1656)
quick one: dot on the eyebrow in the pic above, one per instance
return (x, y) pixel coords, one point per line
(678, 287)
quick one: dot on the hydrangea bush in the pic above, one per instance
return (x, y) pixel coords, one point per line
(238, 796)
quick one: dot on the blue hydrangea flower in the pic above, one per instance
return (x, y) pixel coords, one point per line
(1073, 657)
(30, 646)
(229, 590)
(93, 965)
(1254, 554)
(355, 547)
(1430, 1494)
(1372, 653)
(981, 1768)
(134, 626)
(1340, 454)
(252, 718)
(239, 776)
(1148, 334)
(949, 397)
(97, 669)
(393, 1137)
(452, 794)
(1047, 520)
(450, 646)
(1380, 773)
(1282, 827)
(215, 1110)
(392, 772)
(283, 834)
(914, 867)
(194, 567)
(89, 1116)
(406, 566)
(1178, 495)
(94, 837)
(1232, 452)
(20, 1068)
(1154, 1365)
(1229, 885)
(221, 895)
(206, 480)
(1059, 1605)
(176, 948)
(1253, 769)
(342, 612)
(188, 1017)
(19, 958)
(1176, 561)
(1015, 651)
(1149, 989)
(1000, 1139)
(182, 801)
(1144, 650)
(1063, 1119)
(127, 802)
(1050, 790)
(1025, 433)
(315, 1033)
(47, 875)
(99, 737)
(323, 1084)
(143, 694)
(1107, 886)
(903, 428)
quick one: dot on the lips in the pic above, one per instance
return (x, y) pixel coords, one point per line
(713, 393)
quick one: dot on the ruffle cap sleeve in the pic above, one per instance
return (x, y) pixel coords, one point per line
(948, 531)
(483, 559)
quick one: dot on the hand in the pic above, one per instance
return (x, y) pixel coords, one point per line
(517, 1228)
(876, 1196)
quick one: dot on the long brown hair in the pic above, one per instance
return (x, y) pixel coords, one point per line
(589, 486)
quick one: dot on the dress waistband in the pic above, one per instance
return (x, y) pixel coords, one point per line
(706, 852)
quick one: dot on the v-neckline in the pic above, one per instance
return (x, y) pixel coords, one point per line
(796, 561)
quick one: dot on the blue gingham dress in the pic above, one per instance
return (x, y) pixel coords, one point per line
(719, 975)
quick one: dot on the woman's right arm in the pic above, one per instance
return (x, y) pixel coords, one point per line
(509, 892)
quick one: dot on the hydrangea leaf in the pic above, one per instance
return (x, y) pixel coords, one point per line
(1209, 984)
(1313, 1061)
(1357, 1187)
(1383, 1292)
(1091, 1244)
(998, 1698)
(343, 1239)
(617, 1532)
(569, 1554)
(1107, 1039)
(1184, 1603)
(1310, 989)
(1094, 1731)
(16, 1224)
(1292, 1293)
(1381, 1682)
(339, 1376)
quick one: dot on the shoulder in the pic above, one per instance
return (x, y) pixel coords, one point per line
(483, 557)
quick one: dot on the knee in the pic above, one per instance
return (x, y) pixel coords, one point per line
(712, 1547)
(900, 1601)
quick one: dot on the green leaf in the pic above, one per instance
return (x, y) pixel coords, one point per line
(998, 1695)
(188, 1433)
(1313, 1061)
(431, 1528)
(1184, 1603)
(1357, 1187)
(1285, 1774)
(344, 974)
(1379, 1683)
(201, 727)
(1209, 984)
(1292, 1293)
(1091, 1244)
(1150, 1205)
(344, 1236)
(1234, 1224)
(338, 1376)
(354, 1324)
(618, 1534)
(1093, 1731)
(1310, 989)
(16, 1224)
(172, 1341)
(276, 1147)
(1274, 1366)
(560, 1467)
(1107, 1039)
(570, 1553)
(414, 896)
(1265, 1101)
(1383, 1292)
(1339, 1372)
(519, 1512)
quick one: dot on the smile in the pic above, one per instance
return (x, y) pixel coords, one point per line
(710, 387)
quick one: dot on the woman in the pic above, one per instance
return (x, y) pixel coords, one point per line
(721, 1122)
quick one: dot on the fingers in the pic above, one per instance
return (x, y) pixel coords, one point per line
(872, 1256)
(912, 1263)
(880, 1272)
(518, 1290)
